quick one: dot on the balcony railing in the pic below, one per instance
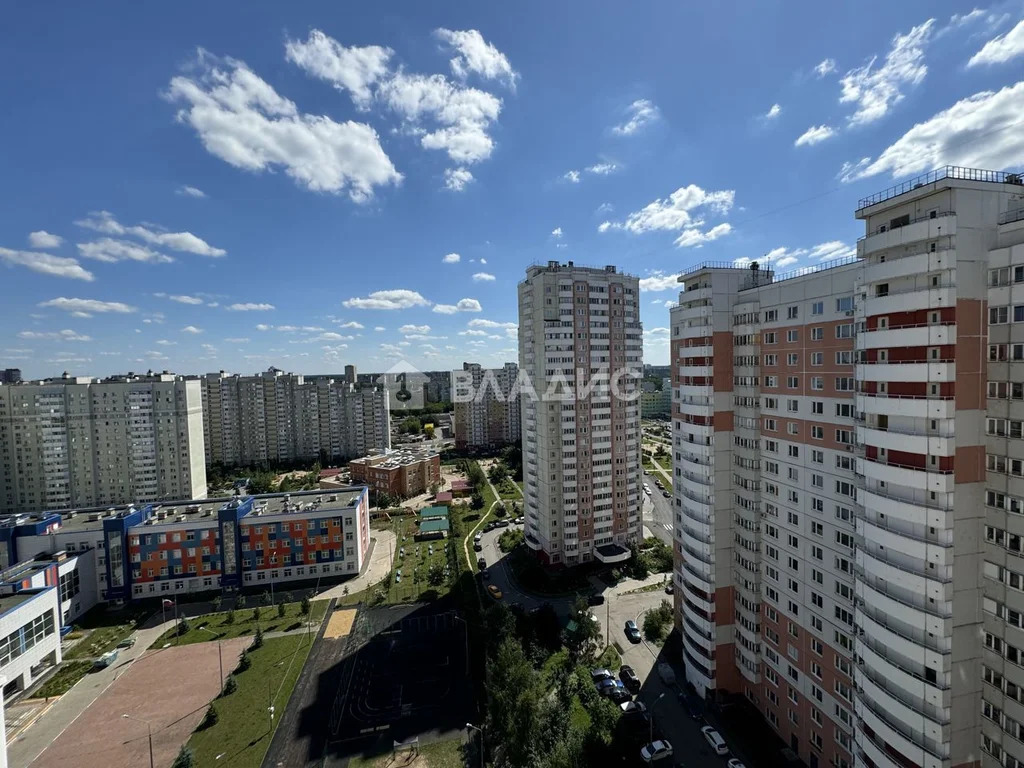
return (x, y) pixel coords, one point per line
(934, 470)
(1011, 216)
(946, 172)
(929, 745)
(912, 221)
(906, 597)
(911, 634)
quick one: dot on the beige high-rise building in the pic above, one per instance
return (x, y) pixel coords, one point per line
(276, 418)
(80, 442)
(581, 437)
(849, 483)
(487, 406)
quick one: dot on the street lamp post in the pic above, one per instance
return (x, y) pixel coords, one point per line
(466, 636)
(149, 729)
(476, 728)
(220, 653)
(651, 718)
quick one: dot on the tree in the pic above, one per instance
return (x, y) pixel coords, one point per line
(514, 703)
(512, 457)
(230, 686)
(500, 511)
(183, 626)
(244, 662)
(498, 472)
(257, 639)
(411, 425)
(185, 759)
(215, 603)
(581, 641)
(304, 606)
(211, 718)
(657, 621)
(636, 567)
(280, 610)
(435, 576)
(256, 613)
(477, 502)
(229, 616)
(261, 482)
(434, 488)
(265, 598)
(428, 430)
(240, 602)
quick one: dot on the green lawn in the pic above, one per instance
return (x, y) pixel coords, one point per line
(63, 679)
(242, 733)
(439, 754)
(507, 489)
(244, 623)
(105, 630)
(414, 560)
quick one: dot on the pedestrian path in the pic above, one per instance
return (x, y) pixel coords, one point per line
(378, 568)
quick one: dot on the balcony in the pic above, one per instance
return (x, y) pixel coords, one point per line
(916, 407)
(920, 478)
(918, 335)
(889, 735)
(925, 228)
(926, 262)
(907, 372)
(906, 572)
(912, 607)
(907, 439)
(698, 578)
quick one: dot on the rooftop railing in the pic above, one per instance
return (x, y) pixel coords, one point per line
(946, 172)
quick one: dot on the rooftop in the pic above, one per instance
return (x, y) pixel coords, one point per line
(946, 172)
(428, 512)
(10, 602)
(431, 526)
(397, 458)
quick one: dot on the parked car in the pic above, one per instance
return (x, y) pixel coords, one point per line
(595, 599)
(502, 524)
(107, 659)
(633, 706)
(715, 740)
(597, 675)
(494, 591)
(619, 695)
(691, 705)
(481, 564)
(606, 686)
(478, 547)
(670, 588)
(478, 537)
(632, 633)
(128, 642)
(629, 678)
(732, 762)
(656, 750)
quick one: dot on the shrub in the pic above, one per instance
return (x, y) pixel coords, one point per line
(244, 662)
(210, 719)
(304, 606)
(280, 610)
(185, 759)
(257, 640)
(230, 686)
(229, 617)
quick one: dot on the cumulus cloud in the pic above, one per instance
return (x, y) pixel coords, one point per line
(355, 69)
(65, 335)
(472, 332)
(825, 67)
(875, 90)
(187, 191)
(774, 112)
(88, 307)
(483, 277)
(814, 135)
(676, 213)
(44, 239)
(185, 242)
(410, 328)
(241, 119)
(640, 113)
(46, 264)
(469, 305)
(352, 324)
(833, 249)
(573, 176)
(951, 137)
(182, 299)
(191, 329)
(236, 340)
(456, 179)
(452, 258)
(250, 307)
(476, 56)
(393, 299)
(110, 251)
(659, 281)
(556, 232)
(602, 169)
(480, 322)
(1001, 49)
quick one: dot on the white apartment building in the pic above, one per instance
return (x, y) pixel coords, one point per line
(487, 406)
(78, 442)
(581, 435)
(276, 417)
(849, 486)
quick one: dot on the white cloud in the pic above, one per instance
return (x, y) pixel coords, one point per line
(456, 179)
(65, 335)
(573, 176)
(393, 299)
(263, 327)
(959, 19)
(477, 56)
(236, 340)
(876, 90)
(833, 249)
(46, 264)
(331, 336)
(952, 137)
(242, 120)
(166, 343)
(379, 328)
(640, 113)
(482, 261)
(1001, 49)
(181, 299)
(472, 332)
(452, 258)
(352, 324)
(675, 214)
(354, 69)
(191, 329)
(825, 67)
(250, 307)
(469, 305)
(556, 232)
(186, 242)
(479, 322)
(481, 277)
(43, 239)
(88, 307)
(445, 309)
(409, 328)
(774, 112)
(659, 281)
(602, 169)
(188, 191)
(110, 251)
(814, 135)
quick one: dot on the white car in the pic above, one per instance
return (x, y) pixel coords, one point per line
(734, 763)
(656, 750)
(635, 706)
(715, 740)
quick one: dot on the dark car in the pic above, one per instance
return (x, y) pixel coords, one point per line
(502, 524)
(605, 687)
(691, 704)
(481, 564)
(632, 632)
(600, 675)
(629, 678)
(595, 600)
(619, 695)
(478, 547)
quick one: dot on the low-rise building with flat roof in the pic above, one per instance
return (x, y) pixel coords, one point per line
(29, 635)
(406, 472)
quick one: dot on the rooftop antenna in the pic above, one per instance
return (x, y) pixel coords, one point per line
(754, 270)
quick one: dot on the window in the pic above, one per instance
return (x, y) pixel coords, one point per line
(792, 313)
(817, 358)
(793, 382)
(770, 337)
(793, 427)
(771, 315)
(792, 359)
(998, 315)
(793, 406)
(817, 432)
(844, 357)
(844, 384)
(818, 457)
(771, 359)
(817, 333)
(844, 304)
(771, 382)
(818, 308)
(817, 382)
(844, 331)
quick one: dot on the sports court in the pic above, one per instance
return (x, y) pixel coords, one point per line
(170, 688)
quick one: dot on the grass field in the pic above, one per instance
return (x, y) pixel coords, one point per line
(63, 679)
(508, 490)
(439, 754)
(414, 561)
(244, 623)
(242, 735)
(105, 630)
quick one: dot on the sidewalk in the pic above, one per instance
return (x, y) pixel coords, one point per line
(30, 743)
(377, 569)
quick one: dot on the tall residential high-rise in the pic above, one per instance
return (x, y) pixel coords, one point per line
(487, 406)
(80, 442)
(580, 346)
(849, 486)
(10, 376)
(275, 417)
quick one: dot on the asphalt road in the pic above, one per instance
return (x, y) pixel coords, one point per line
(657, 512)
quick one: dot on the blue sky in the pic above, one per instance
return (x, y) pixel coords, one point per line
(197, 186)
